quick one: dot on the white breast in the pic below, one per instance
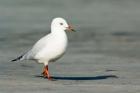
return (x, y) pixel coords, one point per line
(55, 45)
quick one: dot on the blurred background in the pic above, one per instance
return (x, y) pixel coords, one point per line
(107, 37)
(100, 24)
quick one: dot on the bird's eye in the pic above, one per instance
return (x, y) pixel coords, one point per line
(61, 23)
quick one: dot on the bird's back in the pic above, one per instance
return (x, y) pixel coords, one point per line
(48, 48)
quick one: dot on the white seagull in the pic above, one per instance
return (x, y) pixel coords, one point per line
(50, 47)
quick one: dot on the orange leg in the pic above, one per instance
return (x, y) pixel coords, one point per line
(46, 72)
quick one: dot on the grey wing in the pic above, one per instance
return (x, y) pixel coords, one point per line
(39, 45)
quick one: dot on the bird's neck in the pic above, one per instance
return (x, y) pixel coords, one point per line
(57, 31)
(60, 35)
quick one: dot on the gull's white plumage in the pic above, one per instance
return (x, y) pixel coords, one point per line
(50, 47)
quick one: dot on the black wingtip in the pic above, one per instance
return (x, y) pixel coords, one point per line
(18, 58)
(13, 60)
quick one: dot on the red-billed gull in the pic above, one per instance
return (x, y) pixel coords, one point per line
(50, 47)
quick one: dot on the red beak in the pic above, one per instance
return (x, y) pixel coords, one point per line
(70, 28)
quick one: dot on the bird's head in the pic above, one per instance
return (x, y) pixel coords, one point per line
(61, 24)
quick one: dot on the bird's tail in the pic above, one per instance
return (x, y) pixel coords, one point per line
(18, 58)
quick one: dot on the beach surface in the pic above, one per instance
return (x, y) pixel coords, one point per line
(103, 56)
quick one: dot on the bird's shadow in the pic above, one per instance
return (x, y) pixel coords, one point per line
(101, 77)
